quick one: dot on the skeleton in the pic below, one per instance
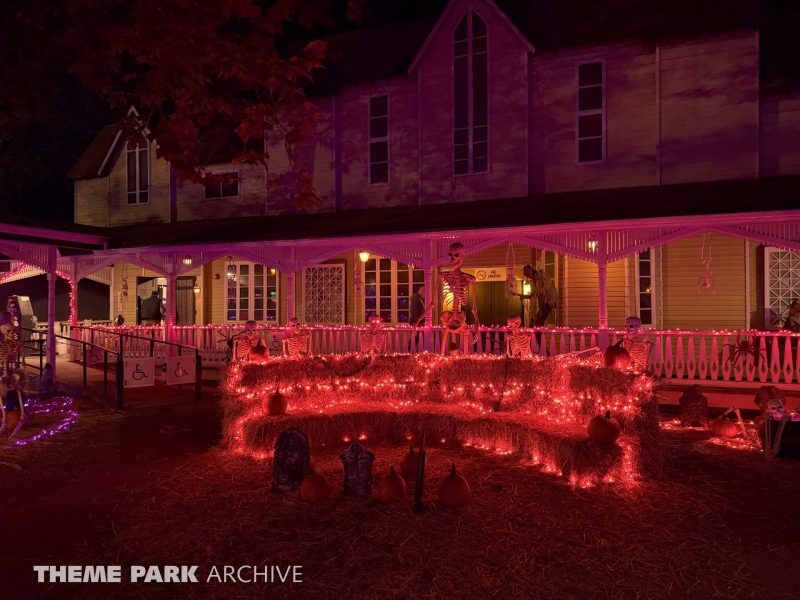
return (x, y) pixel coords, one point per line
(775, 409)
(9, 347)
(244, 343)
(774, 416)
(299, 343)
(454, 323)
(706, 280)
(457, 286)
(373, 340)
(639, 350)
(517, 343)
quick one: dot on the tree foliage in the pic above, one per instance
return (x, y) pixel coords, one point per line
(185, 65)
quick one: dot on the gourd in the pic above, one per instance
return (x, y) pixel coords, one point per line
(603, 429)
(617, 357)
(723, 427)
(454, 490)
(391, 488)
(275, 404)
(409, 464)
(315, 488)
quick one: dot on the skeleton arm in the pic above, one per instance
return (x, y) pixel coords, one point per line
(439, 294)
(474, 290)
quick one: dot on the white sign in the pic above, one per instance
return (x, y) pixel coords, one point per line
(95, 356)
(488, 273)
(180, 369)
(274, 342)
(140, 372)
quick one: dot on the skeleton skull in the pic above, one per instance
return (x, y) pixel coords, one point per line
(294, 325)
(632, 326)
(456, 254)
(375, 321)
(454, 320)
(8, 331)
(775, 409)
(250, 329)
(514, 323)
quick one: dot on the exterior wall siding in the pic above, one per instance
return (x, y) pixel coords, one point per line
(780, 132)
(193, 205)
(709, 95)
(683, 307)
(582, 293)
(630, 120)
(91, 202)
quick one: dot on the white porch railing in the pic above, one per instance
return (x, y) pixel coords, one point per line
(756, 357)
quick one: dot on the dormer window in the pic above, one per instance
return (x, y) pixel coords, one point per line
(138, 165)
(470, 96)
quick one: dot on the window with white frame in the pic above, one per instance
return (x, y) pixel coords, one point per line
(591, 112)
(551, 272)
(138, 172)
(379, 139)
(252, 293)
(781, 284)
(227, 188)
(470, 96)
(388, 286)
(645, 288)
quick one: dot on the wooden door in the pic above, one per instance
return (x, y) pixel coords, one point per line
(184, 301)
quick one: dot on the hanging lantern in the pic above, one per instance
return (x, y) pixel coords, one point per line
(364, 256)
(196, 289)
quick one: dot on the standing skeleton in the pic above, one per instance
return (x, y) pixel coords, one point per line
(517, 343)
(458, 286)
(9, 347)
(299, 344)
(639, 350)
(373, 340)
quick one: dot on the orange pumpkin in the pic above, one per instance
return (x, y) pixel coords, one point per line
(315, 488)
(391, 488)
(12, 420)
(454, 490)
(723, 427)
(259, 350)
(275, 404)
(617, 357)
(603, 428)
(409, 464)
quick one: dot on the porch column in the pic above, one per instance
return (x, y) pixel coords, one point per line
(427, 259)
(172, 307)
(52, 261)
(602, 293)
(288, 260)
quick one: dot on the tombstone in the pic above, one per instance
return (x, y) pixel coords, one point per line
(357, 462)
(290, 461)
(693, 408)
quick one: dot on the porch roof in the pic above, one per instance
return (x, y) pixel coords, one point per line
(585, 207)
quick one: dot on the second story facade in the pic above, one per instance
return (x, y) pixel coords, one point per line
(471, 106)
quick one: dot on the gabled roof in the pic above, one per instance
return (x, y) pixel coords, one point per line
(525, 41)
(89, 163)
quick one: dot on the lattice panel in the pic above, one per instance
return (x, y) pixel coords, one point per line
(324, 295)
(783, 284)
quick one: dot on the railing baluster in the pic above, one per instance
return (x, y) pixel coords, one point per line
(775, 362)
(690, 361)
(703, 358)
(714, 358)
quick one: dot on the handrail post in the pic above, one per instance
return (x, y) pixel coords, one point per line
(198, 376)
(105, 376)
(120, 382)
(84, 365)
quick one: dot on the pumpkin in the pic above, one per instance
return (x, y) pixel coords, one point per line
(315, 488)
(454, 490)
(603, 428)
(409, 464)
(391, 488)
(275, 404)
(723, 427)
(617, 357)
(12, 420)
(259, 350)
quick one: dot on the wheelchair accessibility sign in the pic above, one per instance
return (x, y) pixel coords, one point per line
(180, 369)
(140, 372)
(274, 342)
(96, 356)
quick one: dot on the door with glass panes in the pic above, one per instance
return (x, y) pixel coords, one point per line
(252, 293)
(388, 286)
